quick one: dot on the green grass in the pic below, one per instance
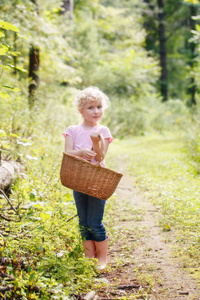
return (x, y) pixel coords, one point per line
(164, 170)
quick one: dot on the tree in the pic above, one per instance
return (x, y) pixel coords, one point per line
(68, 5)
(33, 67)
(180, 52)
(193, 13)
(33, 73)
(163, 56)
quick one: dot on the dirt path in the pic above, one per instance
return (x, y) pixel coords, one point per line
(148, 268)
(155, 252)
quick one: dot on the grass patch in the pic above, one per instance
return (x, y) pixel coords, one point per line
(164, 171)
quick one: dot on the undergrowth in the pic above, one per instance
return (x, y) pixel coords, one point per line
(41, 249)
(40, 246)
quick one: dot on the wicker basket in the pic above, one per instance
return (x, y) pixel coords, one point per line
(85, 177)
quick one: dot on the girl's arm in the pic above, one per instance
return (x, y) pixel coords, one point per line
(85, 153)
(96, 140)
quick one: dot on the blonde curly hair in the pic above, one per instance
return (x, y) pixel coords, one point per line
(91, 93)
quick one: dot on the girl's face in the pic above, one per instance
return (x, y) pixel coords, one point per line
(92, 111)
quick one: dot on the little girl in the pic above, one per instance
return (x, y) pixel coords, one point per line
(84, 140)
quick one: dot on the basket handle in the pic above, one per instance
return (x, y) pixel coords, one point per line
(101, 149)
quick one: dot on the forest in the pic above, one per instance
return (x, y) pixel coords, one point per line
(145, 56)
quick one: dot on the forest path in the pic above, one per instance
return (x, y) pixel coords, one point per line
(147, 266)
(154, 252)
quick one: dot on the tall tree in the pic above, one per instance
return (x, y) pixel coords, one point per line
(33, 68)
(163, 55)
(193, 13)
(15, 49)
(33, 73)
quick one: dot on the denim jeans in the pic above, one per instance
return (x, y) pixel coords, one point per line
(90, 212)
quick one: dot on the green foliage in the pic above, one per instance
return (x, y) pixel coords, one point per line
(5, 51)
(39, 28)
(93, 50)
(146, 116)
(44, 250)
(103, 46)
(112, 53)
(177, 23)
(193, 143)
(43, 247)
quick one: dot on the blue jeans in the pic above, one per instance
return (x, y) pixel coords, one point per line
(90, 212)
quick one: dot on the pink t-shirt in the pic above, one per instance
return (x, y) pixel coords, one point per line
(81, 137)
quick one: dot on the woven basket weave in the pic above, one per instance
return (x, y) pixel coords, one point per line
(85, 177)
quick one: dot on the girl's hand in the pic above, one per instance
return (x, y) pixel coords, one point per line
(88, 154)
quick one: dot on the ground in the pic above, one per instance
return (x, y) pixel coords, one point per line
(142, 259)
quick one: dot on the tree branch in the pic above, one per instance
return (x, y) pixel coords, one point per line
(8, 201)
(71, 218)
(5, 218)
(5, 275)
(6, 288)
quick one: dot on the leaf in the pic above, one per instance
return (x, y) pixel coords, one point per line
(17, 68)
(192, 1)
(8, 26)
(195, 18)
(4, 95)
(2, 133)
(14, 53)
(24, 144)
(13, 135)
(4, 67)
(6, 146)
(68, 196)
(60, 254)
(38, 205)
(45, 216)
(31, 278)
(32, 196)
(166, 227)
(2, 34)
(31, 157)
(3, 49)
(14, 89)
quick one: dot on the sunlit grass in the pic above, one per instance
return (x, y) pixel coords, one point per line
(163, 169)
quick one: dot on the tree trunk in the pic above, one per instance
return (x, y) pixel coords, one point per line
(33, 68)
(68, 5)
(163, 57)
(15, 49)
(193, 12)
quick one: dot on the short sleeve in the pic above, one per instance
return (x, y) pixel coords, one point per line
(69, 131)
(106, 133)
